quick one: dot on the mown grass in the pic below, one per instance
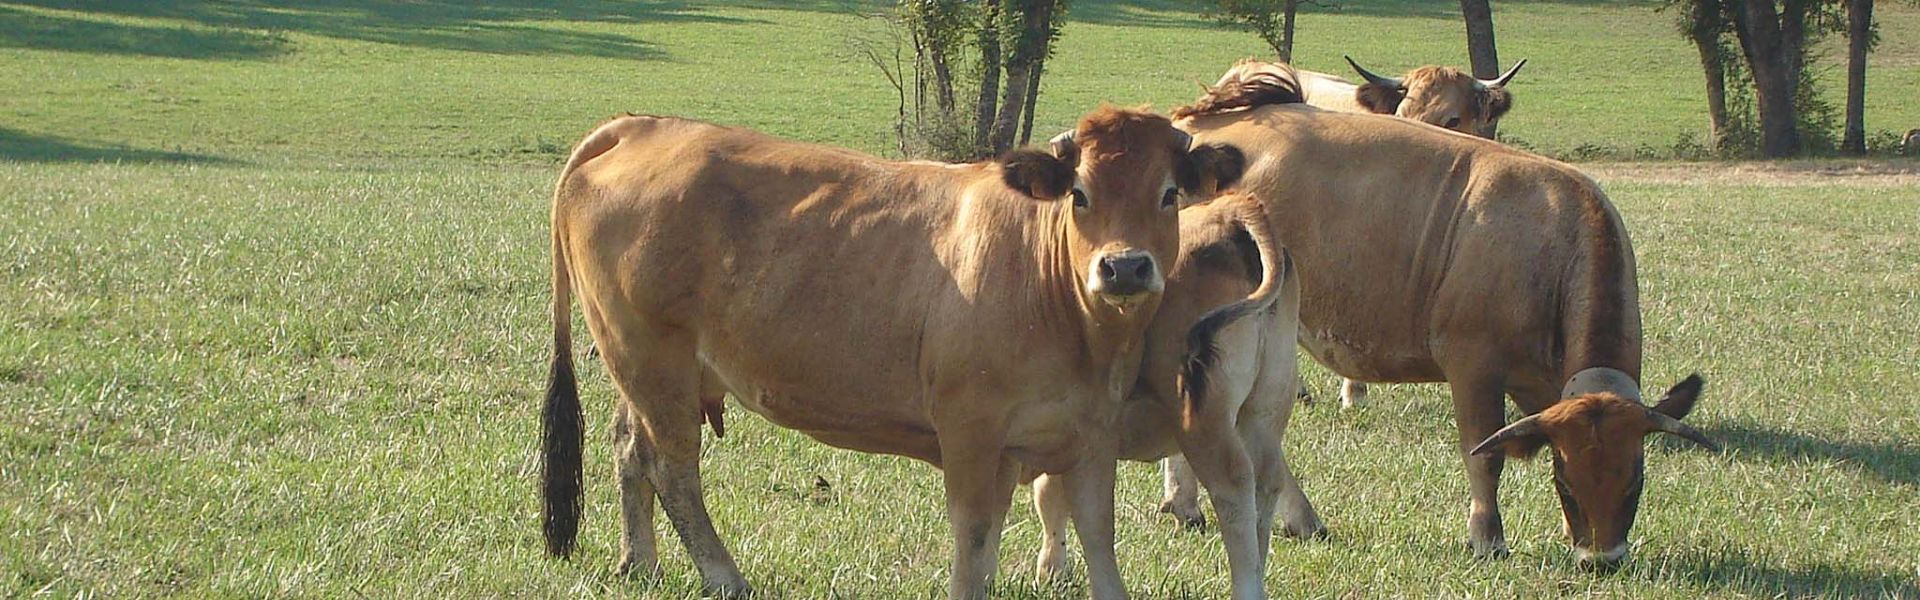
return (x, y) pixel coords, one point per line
(293, 344)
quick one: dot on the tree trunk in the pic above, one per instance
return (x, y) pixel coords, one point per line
(1480, 47)
(990, 65)
(1286, 30)
(1706, 20)
(1036, 26)
(1859, 40)
(1771, 61)
(1033, 98)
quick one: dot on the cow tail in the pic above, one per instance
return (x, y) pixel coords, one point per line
(1275, 266)
(562, 427)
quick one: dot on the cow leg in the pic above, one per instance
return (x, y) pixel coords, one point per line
(1090, 487)
(1221, 461)
(1479, 409)
(1265, 433)
(1182, 496)
(1353, 394)
(639, 551)
(980, 480)
(663, 386)
(1055, 505)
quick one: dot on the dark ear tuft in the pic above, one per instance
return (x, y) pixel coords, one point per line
(1679, 400)
(1379, 98)
(1498, 101)
(1037, 174)
(1208, 169)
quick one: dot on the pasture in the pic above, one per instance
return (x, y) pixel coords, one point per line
(273, 310)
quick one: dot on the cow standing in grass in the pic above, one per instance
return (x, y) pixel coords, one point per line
(1440, 96)
(985, 318)
(1231, 421)
(1426, 255)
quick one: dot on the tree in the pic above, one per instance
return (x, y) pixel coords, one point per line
(1272, 20)
(1480, 47)
(1023, 67)
(1705, 23)
(1860, 39)
(998, 46)
(1773, 39)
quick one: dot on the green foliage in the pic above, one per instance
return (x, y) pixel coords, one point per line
(1261, 17)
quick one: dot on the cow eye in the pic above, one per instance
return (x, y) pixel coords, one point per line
(1170, 199)
(1453, 122)
(1080, 199)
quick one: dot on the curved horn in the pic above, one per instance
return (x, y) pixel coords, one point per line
(1529, 426)
(1501, 81)
(1059, 143)
(1391, 82)
(1662, 422)
(1185, 139)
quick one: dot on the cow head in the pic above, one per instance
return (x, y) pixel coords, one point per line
(1441, 96)
(1598, 464)
(1120, 177)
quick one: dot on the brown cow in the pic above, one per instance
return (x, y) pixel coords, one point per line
(982, 317)
(1232, 430)
(1424, 256)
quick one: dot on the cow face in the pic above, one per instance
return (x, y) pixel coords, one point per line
(1121, 177)
(1441, 96)
(1598, 464)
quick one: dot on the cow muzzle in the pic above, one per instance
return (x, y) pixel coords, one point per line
(1601, 561)
(1123, 279)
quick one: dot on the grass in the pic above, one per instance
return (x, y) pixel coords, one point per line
(272, 289)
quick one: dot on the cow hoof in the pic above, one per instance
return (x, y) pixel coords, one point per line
(640, 569)
(1312, 532)
(730, 591)
(1493, 550)
(1190, 516)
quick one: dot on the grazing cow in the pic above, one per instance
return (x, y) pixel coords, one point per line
(1428, 256)
(1231, 427)
(984, 317)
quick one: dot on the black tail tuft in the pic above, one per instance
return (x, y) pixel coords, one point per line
(1203, 353)
(560, 473)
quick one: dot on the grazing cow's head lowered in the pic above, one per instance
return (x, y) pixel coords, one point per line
(1598, 465)
(1120, 176)
(1441, 96)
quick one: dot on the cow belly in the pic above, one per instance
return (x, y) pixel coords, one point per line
(854, 419)
(1369, 360)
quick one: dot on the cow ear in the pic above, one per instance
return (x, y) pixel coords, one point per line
(1379, 98)
(1679, 399)
(1498, 102)
(1037, 174)
(1209, 168)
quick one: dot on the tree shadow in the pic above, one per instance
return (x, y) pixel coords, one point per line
(21, 29)
(1731, 570)
(501, 27)
(26, 147)
(1895, 462)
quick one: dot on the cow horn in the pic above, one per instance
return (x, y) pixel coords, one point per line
(1185, 139)
(1059, 142)
(1501, 81)
(1662, 422)
(1525, 427)
(1390, 82)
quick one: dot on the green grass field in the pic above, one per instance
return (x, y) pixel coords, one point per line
(272, 311)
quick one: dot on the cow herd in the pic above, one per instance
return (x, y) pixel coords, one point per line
(1136, 290)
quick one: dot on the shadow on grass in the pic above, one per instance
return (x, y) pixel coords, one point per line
(498, 27)
(1736, 572)
(26, 147)
(21, 29)
(1893, 462)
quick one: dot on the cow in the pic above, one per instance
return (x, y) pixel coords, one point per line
(1241, 377)
(984, 317)
(1440, 96)
(1427, 256)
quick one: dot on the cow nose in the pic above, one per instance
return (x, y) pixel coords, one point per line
(1126, 274)
(1603, 562)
